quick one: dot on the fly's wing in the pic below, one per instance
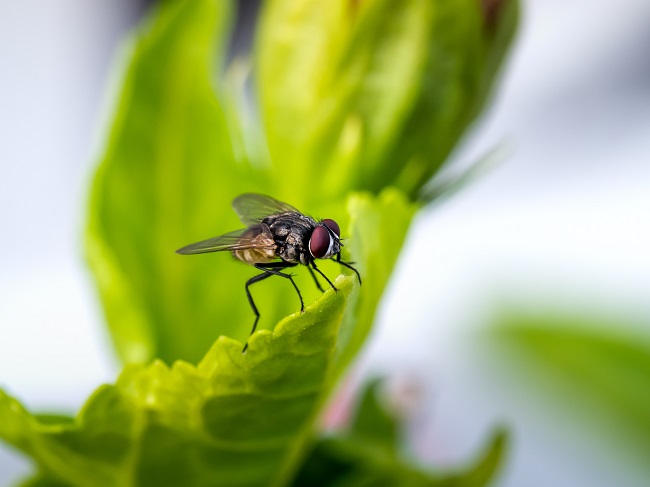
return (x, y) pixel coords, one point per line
(252, 208)
(254, 237)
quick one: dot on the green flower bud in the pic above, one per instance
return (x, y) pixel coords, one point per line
(370, 94)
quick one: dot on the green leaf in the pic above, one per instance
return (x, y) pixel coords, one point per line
(587, 365)
(375, 94)
(486, 469)
(373, 423)
(42, 481)
(346, 462)
(168, 166)
(235, 419)
(153, 409)
(260, 405)
(368, 454)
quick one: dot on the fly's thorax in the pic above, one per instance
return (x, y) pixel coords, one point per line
(291, 232)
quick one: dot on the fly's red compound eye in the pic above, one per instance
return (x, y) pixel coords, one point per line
(332, 225)
(320, 242)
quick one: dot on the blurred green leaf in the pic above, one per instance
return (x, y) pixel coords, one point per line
(486, 469)
(368, 455)
(372, 421)
(41, 481)
(375, 94)
(344, 462)
(585, 366)
(235, 419)
(168, 166)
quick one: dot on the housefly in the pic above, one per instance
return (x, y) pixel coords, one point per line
(277, 236)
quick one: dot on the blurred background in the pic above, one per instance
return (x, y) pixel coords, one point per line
(557, 235)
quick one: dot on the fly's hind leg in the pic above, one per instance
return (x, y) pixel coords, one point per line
(253, 280)
(269, 270)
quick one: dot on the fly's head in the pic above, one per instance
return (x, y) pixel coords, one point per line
(325, 240)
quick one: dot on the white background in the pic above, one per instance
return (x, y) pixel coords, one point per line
(565, 219)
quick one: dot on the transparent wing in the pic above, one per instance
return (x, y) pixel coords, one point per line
(254, 237)
(252, 208)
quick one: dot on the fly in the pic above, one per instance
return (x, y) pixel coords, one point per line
(277, 237)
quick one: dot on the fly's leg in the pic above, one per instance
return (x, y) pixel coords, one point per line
(320, 288)
(348, 265)
(271, 269)
(253, 280)
(313, 263)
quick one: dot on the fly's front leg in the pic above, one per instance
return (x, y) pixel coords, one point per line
(320, 288)
(348, 265)
(313, 263)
